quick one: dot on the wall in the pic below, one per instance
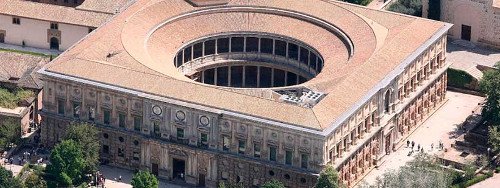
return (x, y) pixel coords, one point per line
(34, 33)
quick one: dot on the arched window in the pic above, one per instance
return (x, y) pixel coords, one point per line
(54, 43)
(2, 37)
(387, 100)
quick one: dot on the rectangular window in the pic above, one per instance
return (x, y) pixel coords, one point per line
(91, 113)
(223, 45)
(121, 120)
(105, 149)
(209, 47)
(272, 153)
(121, 152)
(180, 133)
(293, 51)
(304, 55)
(241, 146)
(156, 128)
(266, 46)
(204, 138)
(237, 44)
(197, 50)
(76, 110)
(107, 116)
(280, 48)
(225, 143)
(16, 21)
(60, 106)
(187, 54)
(304, 159)
(136, 156)
(256, 150)
(288, 157)
(54, 26)
(252, 44)
(137, 123)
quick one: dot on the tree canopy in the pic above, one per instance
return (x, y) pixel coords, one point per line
(35, 181)
(273, 184)
(420, 172)
(10, 132)
(328, 178)
(409, 7)
(87, 136)
(490, 85)
(144, 179)
(6, 179)
(67, 164)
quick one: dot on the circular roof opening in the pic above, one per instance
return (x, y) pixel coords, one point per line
(249, 61)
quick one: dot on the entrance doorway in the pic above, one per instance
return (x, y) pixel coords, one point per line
(466, 32)
(54, 43)
(388, 144)
(2, 38)
(154, 169)
(201, 180)
(179, 169)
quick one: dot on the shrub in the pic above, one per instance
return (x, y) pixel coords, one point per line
(359, 2)
(10, 99)
(475, 180)
(459, 78)
(409, 7)
(497, 170)
(434, 9)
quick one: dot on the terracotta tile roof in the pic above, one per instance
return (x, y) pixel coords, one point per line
(91, 13)
(20, 69)
(145, 46)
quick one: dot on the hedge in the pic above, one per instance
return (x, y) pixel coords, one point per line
(359, 2)
(477, 179)
(459, 78)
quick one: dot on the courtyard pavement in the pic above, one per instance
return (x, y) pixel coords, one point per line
(492, 182)
(112, 175)
(439, 126)
(466, 56)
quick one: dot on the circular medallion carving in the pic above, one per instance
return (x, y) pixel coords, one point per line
(180, 115)
(122, 101)
(290, 138)
(258, 131)
(92, 94)
(204, 120)
(107, 98)
(61, 87)
(226, 125)
(242, 128)
(157, 110)
(136, 142)
(76, 91)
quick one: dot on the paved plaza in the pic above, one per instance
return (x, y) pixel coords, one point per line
(112, 175)
(467, 57)
(440, 126)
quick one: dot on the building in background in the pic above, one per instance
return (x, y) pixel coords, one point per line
(17, 73)
(53, 24)
(473, 20)
(249, 91)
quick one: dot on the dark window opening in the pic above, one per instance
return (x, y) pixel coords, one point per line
(187, 54)
(304, 55)
(223, 45)
(222, 76)
(209, 47)
(280, 48)
(252, 44)
(197, 50)
(237, 44)
(293, 51)
(266, 46)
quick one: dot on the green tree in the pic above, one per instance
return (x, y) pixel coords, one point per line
(35, 181)
(144, 179)
(328, 178)
(409, 7)
(494, 138)
(434, 9)
(490, 85)
(10, 132)
(273, 184)
(66, 163)
(88, 137)
(6, 179)
(421, 172)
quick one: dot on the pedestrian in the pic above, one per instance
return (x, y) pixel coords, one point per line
(407, 143)
(412, 144)
(418, 147)
(422, 150)
(432, 146)
(120, 178)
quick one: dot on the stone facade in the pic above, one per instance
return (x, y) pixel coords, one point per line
(171, 138)
(483, 17)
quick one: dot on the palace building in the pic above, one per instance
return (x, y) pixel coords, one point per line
(245, 91)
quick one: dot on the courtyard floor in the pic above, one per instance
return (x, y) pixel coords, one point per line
(112, 175)
(441, 125)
